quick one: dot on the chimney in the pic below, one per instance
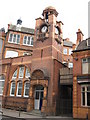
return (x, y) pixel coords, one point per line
(79, 37)
(8, 26)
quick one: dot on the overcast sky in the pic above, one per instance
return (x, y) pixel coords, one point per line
(73, 13)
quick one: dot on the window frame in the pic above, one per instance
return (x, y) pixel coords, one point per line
(70, 65)
(70, 51)
(13, 38)
(27, 38)
(19, 88)
(19, 72)
(65, 51)
(27, 82)
(2, 87)
(11, 88)
(87, 61)
(86, 91)
(25, 73)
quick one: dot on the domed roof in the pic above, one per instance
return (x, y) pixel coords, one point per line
(50, 7)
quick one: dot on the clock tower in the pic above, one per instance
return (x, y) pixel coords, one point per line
(46, 62)
(48, 34)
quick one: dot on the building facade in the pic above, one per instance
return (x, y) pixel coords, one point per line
(31, 63)
(81, 80)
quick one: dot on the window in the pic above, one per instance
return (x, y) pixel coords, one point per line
(18, 39)
(86, 66)
(19, 89)
(70, 65)
(2, 80)
(70, 51)
(10, 37)
(26, 89)
(21, 72)
(28, 40)
(65, 51)
(14, 75)
(20, 75)
(12, 91)
(27, 73)
(14, 38)
(85, 95)
(11, 54)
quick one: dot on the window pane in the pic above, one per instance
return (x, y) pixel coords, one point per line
(19, 89)
(70, 65)
(88, 99)
(84, 68)
(2, 80)
(70, 51)
(25, 39)
(27, 74)
(14, 38)
(18, 39)
(12, 88)
(83, 98)
(88, 88)
(15, 74)
(10, 38)
(31, 40)
(26, 89)
(37, 95)
(28, 42)
(88, 68)
(83, 88)
(65, 50)
(21, 72)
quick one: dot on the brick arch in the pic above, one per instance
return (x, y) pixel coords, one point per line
(37, 74)
(40, 74)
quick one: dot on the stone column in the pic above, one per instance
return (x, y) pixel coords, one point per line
(30, 105)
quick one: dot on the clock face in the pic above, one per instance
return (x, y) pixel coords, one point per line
(44, 29)
(56, 30)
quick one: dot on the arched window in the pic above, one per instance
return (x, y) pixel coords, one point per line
(19, 77)
(2, 80)
(26, 89)
(12, 91)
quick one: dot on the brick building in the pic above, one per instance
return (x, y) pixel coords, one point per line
(81, 78)
(31, 64)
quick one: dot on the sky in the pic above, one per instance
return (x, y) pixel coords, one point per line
(73, 13)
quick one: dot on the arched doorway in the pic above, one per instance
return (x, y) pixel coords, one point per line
(39, 89)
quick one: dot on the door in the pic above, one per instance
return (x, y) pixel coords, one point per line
(38, 99)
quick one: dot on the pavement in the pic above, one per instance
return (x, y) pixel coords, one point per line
(28, 115)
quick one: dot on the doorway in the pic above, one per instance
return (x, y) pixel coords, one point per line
(38, 97)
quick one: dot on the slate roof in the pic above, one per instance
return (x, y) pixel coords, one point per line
(23, 29)
(68, 43)
(83, 45)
